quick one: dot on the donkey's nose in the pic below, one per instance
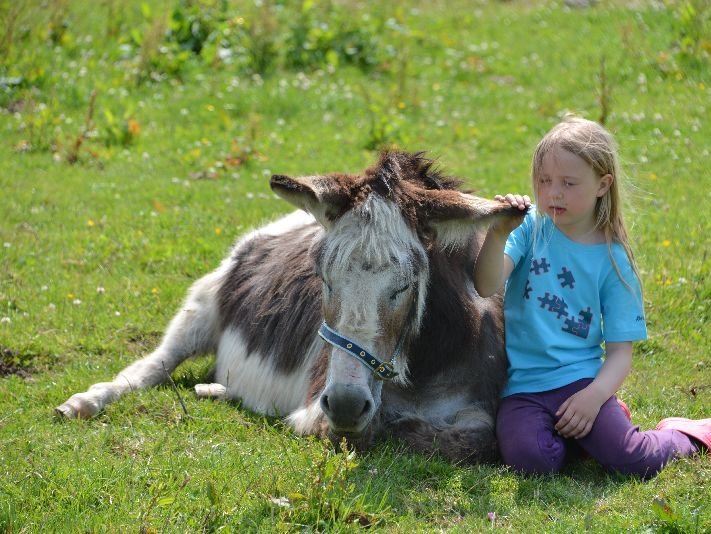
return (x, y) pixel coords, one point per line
(348, 407)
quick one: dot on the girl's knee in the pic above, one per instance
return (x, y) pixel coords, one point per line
(532, 456)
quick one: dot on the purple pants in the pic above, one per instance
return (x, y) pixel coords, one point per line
(529, 443)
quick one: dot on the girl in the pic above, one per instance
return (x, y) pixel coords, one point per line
(572, 284)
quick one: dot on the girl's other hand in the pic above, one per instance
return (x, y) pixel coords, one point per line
(578, 413)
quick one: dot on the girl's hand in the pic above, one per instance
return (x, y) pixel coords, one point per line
(507, 225)
(578, 413)
(522, 202)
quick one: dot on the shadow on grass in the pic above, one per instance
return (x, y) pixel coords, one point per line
(22, 363)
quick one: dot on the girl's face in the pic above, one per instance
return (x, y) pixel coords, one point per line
(567, 191)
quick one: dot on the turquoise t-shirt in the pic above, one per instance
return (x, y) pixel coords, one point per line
(562, 300)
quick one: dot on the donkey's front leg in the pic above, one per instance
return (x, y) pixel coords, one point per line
(469, 438)
(141, 374)
(194, 330)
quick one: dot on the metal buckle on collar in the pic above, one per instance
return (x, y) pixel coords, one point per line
(382, 370)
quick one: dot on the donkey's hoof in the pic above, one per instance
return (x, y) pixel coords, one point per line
(65, 412)
(76, 408)
(215, 391)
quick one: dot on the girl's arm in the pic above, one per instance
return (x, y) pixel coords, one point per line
(492, 266)
(578, 413)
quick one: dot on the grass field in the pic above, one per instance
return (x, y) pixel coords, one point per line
(136, 142)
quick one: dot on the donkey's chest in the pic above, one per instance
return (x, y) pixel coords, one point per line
(434, 404)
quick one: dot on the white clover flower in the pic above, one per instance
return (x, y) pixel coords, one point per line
(282, 502)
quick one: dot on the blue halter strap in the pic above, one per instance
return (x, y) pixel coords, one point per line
(383, 370)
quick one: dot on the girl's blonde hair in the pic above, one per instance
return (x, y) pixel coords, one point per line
(598, 148)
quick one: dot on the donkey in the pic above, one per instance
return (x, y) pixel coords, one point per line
(355, 316)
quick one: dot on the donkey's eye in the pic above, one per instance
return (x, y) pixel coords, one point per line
(396, 293)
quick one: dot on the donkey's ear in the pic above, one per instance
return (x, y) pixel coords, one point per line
(455, 216)
(315, 194)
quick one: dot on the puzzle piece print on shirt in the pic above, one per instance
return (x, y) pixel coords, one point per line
(555, 305)
(579, 327)
(566, 278)
(538, 266)
(527, 290)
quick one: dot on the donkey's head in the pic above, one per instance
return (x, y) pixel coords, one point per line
(373, 262)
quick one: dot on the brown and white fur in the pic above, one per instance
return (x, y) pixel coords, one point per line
(379, 256)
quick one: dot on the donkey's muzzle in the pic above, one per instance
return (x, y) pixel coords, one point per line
(348, 407)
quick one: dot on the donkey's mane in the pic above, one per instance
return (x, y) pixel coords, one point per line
(395, 166)
(404, 178)
(408, 179)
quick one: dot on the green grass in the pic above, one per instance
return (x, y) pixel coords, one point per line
(142, 215)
